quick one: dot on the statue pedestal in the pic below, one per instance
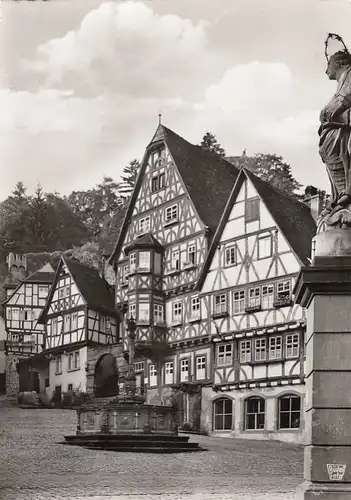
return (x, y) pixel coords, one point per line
(325, 290)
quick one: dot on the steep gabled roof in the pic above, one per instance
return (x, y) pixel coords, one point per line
(291, 216)
(94, 289)
(207, 177)
(111, 230)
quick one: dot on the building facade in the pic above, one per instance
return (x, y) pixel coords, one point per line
(206, 261)
(79, 314)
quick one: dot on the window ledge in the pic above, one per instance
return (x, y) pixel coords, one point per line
(252, 309)
(73, 370)
(177, 323)
(282, 303)
(224, 365)
(219, 314)
(143, 322)
(58, 373)
(189, 266)
(194, 319)
(172, 272)
(170, 222)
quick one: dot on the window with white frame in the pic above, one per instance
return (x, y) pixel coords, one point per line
(139, 366)
(144, 261)
(158, 181)
(54, 326)
(67, 290)
(260, 350)
(220, 303)
(61, 292)
(223, 414)
(74, 321)
(252, 209)
(132, 311)
(158, 314)
(267, 296)
(191, 254)
(275, 348)
(230, 256)
(239, 302)
(200, 367)
(169, 372)
(264, 246)
(184, 370)
(152, 375)
(102, 323)
(144, 312)
(171, 214)
(177, 310)
(245, 351)
(132, 262)
(13, 314)
(70, 361)
(284, 291)
(58, 364)
(144, 225)
(77, 360)
(195, 308)
(292, 345)
(66, 322)
(43, 291)
(255, 413)
(175, 260)
(124, 275)
(254, 297)
(224, 354)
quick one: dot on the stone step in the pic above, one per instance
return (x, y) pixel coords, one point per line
(150, 449)
(129, 444)
(126, 437)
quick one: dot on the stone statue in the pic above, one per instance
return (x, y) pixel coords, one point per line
(335, 141)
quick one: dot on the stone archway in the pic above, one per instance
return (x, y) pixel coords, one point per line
(105, 376)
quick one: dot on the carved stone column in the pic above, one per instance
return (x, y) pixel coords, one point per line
(324, 289)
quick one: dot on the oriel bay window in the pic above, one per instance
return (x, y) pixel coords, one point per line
(184, 370)
(239, 302)
(254, 413)
(224, 354)
(132, 262)
(132, 311)
(144, 312)
(292, 345)
(223, 414)
(275, 348)
(289, 411)
(260, 349)
(144, 261)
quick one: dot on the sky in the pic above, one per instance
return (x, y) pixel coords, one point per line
(82, 83)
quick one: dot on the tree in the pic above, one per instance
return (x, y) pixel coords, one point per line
(88, 254)
(210, 143)
(130, 172)
(39, 231)
(272, 169)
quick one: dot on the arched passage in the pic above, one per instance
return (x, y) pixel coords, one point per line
(105, 376)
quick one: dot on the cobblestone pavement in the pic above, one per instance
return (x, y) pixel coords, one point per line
(34, 466)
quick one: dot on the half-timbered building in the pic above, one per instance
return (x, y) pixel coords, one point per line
(79, 313)
(258, 333)
(164, 240)
(25, 335)
(206, 260)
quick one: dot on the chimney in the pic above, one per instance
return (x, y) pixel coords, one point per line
(315, 199)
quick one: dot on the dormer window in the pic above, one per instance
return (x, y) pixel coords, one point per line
(171, 214)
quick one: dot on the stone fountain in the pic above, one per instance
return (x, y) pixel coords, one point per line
(126, 422)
